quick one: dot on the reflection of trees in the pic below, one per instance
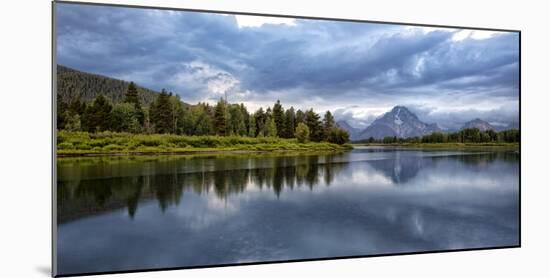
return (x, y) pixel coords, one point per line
(77, 199)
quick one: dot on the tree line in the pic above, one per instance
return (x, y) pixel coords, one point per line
(168, 114)
(71, 82)
(468, 135)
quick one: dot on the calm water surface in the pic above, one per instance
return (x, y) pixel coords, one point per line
(173, 211)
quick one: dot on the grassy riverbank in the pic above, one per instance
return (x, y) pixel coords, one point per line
(112, 143)
(480, 146)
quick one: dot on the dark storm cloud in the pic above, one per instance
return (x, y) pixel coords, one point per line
(201, 55)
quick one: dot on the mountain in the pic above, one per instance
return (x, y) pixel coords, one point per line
(72, 83)
(353, 132)
(479, 124)
(398, 122)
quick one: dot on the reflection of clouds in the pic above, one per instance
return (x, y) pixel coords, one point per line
(199, 213)
(456, 201)
(368, 177)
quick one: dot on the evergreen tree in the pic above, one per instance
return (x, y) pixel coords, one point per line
(252, 127)
(203, 124)
(300, 117)
(177, 113)
(77, 106)
(312, 120)
(123, 118)
(133, 98)
(61, 108)
(337, 135)
(132, 95)
(161, 113)
(97, 116)
(278, 117)
(246, 118)
(260, 121)
(289, 123)
(186, 120)
(328, 124)
(236, 124)
(220, 118)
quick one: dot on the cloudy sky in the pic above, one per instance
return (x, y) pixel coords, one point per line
(356, 70)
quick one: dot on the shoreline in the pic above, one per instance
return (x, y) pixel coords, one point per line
(453, 146)
(194, 152)
(75, 144)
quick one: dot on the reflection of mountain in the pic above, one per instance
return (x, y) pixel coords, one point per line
(400, 167)
(81, 198)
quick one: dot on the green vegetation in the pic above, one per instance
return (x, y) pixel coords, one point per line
(302, 132)
(168, 125)
(469, 146)
(468, 136)
(72, 83)
(107, 142)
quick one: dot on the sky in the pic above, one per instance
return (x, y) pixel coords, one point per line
(358, 71)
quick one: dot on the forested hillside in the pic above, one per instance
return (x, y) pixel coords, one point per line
(72, 83)
(93, 103)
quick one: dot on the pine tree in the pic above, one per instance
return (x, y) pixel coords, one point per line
(61, 108)
(328, 124)
(161, 113)
(203, 124)
(312, 120)
(246, 118)
(77, 106)
(289, 123)
(278, 117)
(300, 117)
(220, 118)
(260, 121)
(252, 127)
(236, 124)
(97, 116)
(123, 118)
(337, 135)
(132, 95)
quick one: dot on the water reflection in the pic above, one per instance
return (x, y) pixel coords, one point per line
(79, 197)
(148, 212)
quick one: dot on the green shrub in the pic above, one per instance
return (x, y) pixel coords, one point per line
(65, 146)
(302, 133)
(83, 146)
(112, 142)
(113, 147)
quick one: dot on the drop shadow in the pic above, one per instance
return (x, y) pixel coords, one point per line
(44, 270)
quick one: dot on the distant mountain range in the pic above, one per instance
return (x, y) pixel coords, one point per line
(479, 124)
(72, 83)
(402, 123)
(353, 132)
